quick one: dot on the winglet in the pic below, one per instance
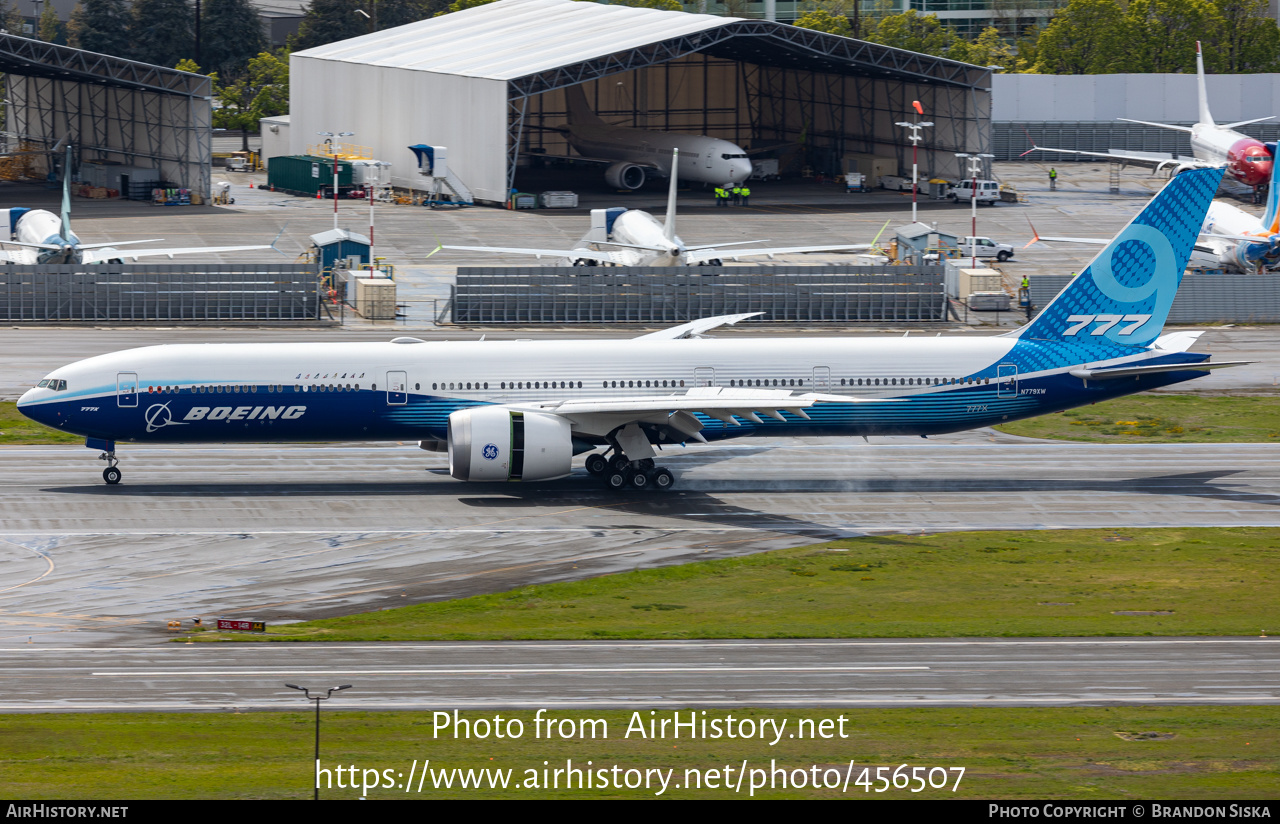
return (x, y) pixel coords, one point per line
(1035, 236)
(669, 228)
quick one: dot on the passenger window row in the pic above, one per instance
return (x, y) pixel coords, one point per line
(915, 381)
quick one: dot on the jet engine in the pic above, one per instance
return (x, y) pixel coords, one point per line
(625, 176)
(490, 443)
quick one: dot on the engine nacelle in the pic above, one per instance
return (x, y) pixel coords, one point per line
(625, 176)
(489, 443)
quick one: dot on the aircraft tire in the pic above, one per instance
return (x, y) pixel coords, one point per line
(615, 480)
(662, 479)
(638, 480)
(596, 464)
(111, 475)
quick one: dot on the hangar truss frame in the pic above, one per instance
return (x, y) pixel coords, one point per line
(784, 68)
(110, 109)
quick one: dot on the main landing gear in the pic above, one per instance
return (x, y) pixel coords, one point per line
(619, 473)
(111, 474)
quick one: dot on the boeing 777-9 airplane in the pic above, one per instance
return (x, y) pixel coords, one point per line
(521, 410)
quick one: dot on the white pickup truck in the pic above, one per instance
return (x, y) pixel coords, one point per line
(962, 191)
(985, 247)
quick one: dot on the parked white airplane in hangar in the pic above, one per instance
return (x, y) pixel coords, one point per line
(640, 240)
(521, 410)
(1230, 238)
(43, 237)
(635, 154)
(1246, 159)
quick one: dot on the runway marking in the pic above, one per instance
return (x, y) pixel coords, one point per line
(522, 671)
(36, 553)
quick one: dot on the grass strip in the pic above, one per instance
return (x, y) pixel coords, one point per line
(1050, 753)
(1018, 584)
(1149, 418)
(18, 429)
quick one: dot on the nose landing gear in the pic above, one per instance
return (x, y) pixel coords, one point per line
(111, 474)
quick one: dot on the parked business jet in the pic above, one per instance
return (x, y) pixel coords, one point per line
(637, 238)
(1230, 238)
(521, 410)
(43, 237)
(1245, 158)
(635, 154)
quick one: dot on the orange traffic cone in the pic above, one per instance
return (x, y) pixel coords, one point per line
(250, 184)
(318, 196)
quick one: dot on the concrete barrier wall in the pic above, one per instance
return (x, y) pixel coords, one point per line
(844, 294)
(142, 293)
(1201, 298)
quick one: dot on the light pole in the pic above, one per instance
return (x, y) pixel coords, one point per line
(334, 146)
(975, 167)
(915, 149)
(318, 699)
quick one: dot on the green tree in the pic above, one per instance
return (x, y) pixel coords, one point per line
(823, 20)
(922, 33)
(1161, 35)
(989, 49)
(51, 29)
(11, 18)
(460, 5)
(101, 26)
(387, 14)
(1087, 37)
(231, 33)
(162, 31)
(1247, 40)
(328, 21)
(262, 91)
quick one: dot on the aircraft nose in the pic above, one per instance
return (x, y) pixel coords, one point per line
(27, 406)
(742, 169)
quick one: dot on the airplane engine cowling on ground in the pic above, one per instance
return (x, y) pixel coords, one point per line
(625, 176)
(497, 444)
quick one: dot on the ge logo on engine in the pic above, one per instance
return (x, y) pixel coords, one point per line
(490, 451)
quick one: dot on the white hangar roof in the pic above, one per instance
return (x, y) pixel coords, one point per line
(514, 38)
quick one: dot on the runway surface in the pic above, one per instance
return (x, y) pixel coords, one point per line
(285, 533)
(875, 673)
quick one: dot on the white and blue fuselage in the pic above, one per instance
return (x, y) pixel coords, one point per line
(520, 410)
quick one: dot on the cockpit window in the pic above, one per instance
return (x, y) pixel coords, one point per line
(49, 383)
(731, 156)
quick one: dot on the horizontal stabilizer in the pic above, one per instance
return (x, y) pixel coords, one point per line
(1139, 371)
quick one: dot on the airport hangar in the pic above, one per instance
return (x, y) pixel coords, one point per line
(485, 84)
(128, 114)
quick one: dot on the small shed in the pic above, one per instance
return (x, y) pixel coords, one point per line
(339, 244)
(919, 239)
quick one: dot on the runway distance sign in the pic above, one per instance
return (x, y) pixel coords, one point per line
(230, 625)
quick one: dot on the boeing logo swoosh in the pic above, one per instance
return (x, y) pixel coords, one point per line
(158, 416)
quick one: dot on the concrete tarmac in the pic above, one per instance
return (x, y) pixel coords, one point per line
(284, 533)
(482, 677)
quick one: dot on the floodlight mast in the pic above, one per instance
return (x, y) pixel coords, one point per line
(915, 139)
(975, 166)
(318, 699)
(333, 144)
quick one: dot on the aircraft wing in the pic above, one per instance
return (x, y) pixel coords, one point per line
(599, 416)
(1156, 160)
(697, 327)
(100, 255)
(699, 256)
(16, 256)
(586, 254)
